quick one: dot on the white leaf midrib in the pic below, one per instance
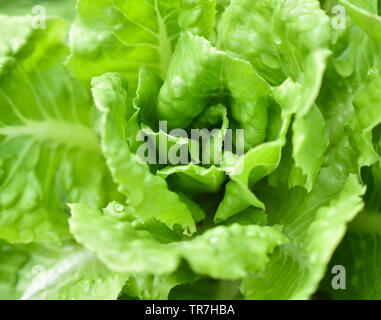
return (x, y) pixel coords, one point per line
(60, 131)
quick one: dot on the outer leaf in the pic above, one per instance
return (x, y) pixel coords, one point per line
(358, 253)
(315, 224)
(51, 272)
(281, 39)
(157, 287)
(354, 55)
(118, 35)
(48, 152)
(225, 259)
(273, 35)
(222, 252)
(207, 289)
(119, 245)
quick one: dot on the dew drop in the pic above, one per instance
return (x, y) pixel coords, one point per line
(269, 60)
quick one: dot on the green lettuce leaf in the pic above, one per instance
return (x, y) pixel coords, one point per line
(207, 74)
(281, 39)
(125, 245)
(197, 212)
(309, 145)
(12, 259)
(157, 287)
(101, 199)
(358, 253)
(212, 117)
(355, 58)
(314, 223)
(50, 272)
(48, 151)
(195, 179)
(118, 35)
(197, 16)
(364, 14)
(247, 217)
(273, 35)
(145, 100)
(131, 174)
(207, 289)
(256, 164)
(19, 29)
(368, 116)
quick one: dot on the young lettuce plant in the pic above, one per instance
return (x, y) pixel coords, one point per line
(84, 214)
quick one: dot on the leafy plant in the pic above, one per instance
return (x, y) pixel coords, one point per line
(83, 216)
